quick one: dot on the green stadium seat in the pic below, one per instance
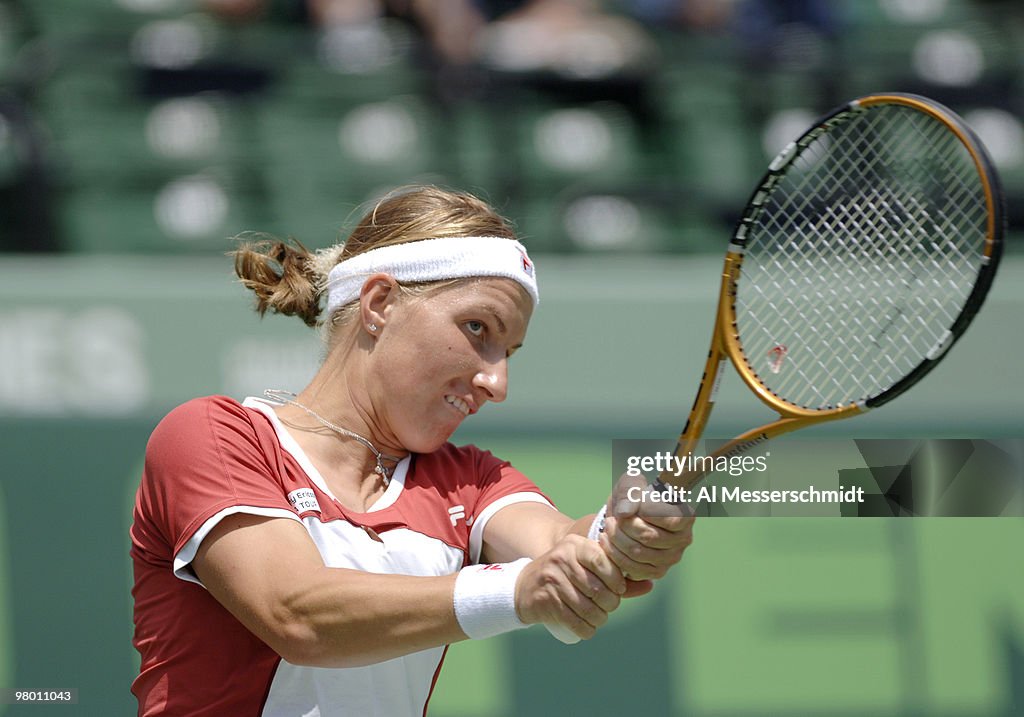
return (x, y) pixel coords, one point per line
(348, 64)
(478, 160)
(76, 18)
(698, 48)
(961, 48)
(611, 219)
(341, 155)
(712, 140)
(14, 28)
(536, 222)
(186, 214)
(557, 143)
(773, 91)
(100, 141)
(371, 140)
(880, 13)
(83, 69)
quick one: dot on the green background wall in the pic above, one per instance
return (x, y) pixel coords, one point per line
(764, 616)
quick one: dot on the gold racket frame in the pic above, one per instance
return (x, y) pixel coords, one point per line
(725, 339)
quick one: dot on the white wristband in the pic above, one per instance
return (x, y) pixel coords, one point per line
(597, 527)
(485, 599)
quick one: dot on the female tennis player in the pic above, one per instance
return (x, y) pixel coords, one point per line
(314, 554)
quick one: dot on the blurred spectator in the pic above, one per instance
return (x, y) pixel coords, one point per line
(770, 31)
(575, 38)
(792, 33)
(700, 15)
(451, 27)
(241, 10)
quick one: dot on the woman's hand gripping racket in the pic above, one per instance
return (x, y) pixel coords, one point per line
(860, 259)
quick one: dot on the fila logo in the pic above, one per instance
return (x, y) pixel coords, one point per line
(527, 264)
(459, 511)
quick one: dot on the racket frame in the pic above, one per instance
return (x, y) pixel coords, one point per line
(725, 342)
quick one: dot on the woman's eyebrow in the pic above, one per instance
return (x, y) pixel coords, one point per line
(494, 313)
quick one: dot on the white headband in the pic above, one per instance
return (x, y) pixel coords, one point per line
(431, 260)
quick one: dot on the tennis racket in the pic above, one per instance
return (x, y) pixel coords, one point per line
(861, 257)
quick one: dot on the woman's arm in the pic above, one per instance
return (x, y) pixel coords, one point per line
(528, 529)
(268, 573)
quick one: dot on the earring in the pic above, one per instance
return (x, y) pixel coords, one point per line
(372, 327)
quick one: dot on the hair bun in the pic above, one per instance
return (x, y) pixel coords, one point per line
(282, 275)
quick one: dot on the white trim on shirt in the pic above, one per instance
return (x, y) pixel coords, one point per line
(188, 552)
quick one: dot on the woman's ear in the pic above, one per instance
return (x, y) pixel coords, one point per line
(376, 300)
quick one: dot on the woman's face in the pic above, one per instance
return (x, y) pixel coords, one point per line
(441, 356)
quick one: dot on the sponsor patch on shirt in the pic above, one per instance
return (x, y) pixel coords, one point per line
(304, 499)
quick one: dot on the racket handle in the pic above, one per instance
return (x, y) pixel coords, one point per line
(562, 633)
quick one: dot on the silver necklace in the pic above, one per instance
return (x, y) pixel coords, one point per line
(281, 396)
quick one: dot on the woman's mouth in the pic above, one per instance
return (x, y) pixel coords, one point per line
(458, 403)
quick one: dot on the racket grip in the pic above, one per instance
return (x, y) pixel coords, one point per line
(562, 633)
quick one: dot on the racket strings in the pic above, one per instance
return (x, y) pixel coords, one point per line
(829, 308)
(861, 258)
(852, 355)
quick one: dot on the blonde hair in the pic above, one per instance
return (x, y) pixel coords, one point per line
(289, 279)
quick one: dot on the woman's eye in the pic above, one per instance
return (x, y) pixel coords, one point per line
(475, 327)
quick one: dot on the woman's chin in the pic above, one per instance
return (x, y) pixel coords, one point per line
(428, 443)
